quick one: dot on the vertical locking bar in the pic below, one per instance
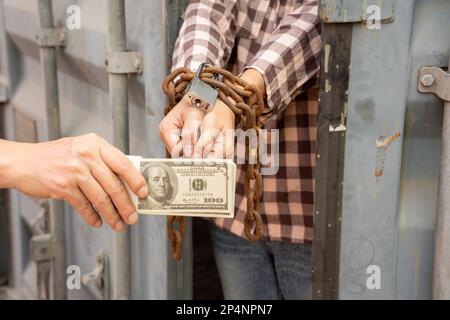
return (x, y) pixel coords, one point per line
(118, 95)
(437, 81)
(4, 245)
(441, 272)
(336, 42)
(57, 218)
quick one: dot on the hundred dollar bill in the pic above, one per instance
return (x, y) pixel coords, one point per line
(187, 187)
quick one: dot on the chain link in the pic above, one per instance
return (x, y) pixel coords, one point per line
(175, 234)
(247, 103)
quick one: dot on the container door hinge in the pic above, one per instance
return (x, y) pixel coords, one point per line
(52, 37)
(42, 248)
(126, 62)
(99, 276)
(434, 80)
(42, 252)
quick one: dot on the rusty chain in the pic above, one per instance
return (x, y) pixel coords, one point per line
(247, 103)
(176, 234)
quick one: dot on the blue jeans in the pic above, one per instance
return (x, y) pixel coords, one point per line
(262, 270)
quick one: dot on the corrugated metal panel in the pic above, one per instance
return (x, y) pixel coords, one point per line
(84, 101)
(343, 11)
(389, 194)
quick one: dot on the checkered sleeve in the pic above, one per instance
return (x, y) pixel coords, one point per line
(207, 35)
(290, 56)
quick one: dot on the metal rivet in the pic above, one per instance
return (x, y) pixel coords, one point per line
(427, 80)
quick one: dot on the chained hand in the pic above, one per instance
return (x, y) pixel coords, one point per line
(217, 133)
(239, 97)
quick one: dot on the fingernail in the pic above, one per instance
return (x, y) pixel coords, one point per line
(133, 218)
(143, 192)
(120, 226)
(98, 223)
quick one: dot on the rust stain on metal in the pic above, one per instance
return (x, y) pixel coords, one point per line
(382, 143)
(326, 11)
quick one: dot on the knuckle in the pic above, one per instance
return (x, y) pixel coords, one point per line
(91, 137)
(85, 207)
(109, 215)
(122, 167)
(140, 183)
(87, 212)
(162, 126)
(74, 166)
(128, 211)
(102, 201)
(83, 151)
(84, 179)
(117, 187)
(63, 187)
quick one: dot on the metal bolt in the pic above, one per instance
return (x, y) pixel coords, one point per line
(427, 80)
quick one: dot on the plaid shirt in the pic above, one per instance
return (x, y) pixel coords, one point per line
(280, 39)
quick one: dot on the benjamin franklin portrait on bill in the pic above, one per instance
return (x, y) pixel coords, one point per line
(160, 180)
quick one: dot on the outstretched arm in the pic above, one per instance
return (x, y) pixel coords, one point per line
(85, 171)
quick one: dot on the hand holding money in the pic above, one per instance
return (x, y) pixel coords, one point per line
(85, 171)
(187, 187)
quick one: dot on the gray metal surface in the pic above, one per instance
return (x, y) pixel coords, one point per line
(344, 11)
(56, 217)
(336, 48)
(175, 10)
(437, 81)
(180, 282)
(389, 192)
(4, 223)
(3, 62)
(389, 197)
(441, 270)
(83, 89)
(118, 99)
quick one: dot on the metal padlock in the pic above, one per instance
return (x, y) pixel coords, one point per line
(200, 94)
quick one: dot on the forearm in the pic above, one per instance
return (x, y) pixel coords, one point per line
(290, 57)
(251, 76)
(207, 35)
(11, 156)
